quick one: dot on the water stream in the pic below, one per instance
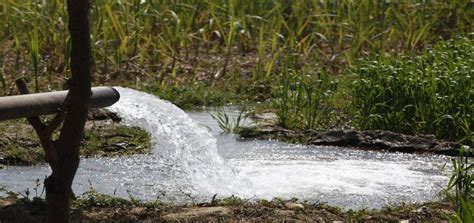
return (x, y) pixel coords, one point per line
(191, 158)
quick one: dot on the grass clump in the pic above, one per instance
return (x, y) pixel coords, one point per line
(92, 198)
(102, 138)
(116, 140)
(461, 187)
(231, 201)
(303, 101)
(230, 124)
(427, 94)
(187, 97)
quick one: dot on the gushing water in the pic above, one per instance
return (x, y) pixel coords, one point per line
(180, 142)
(190, 160)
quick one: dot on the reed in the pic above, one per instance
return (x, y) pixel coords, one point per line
(156, 38)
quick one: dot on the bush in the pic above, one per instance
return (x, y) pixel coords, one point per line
(427, 94)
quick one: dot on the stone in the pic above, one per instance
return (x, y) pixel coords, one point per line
(294, 206)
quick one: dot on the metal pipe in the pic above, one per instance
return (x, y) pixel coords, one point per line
(32, 105)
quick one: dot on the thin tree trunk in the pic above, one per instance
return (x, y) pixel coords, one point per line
(58, 184)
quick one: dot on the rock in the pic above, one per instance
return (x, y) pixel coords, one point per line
(103, 114)
(373, 140)
(197, 212)
(115, 147)
(6, 202)
(266, 117)
(137, 210)
(294, 206)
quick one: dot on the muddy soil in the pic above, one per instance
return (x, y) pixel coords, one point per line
(266, 128)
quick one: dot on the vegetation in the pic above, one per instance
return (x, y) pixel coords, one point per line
(420, 94)
(461, 184)
(303, 101)
(168, 44)
(101, 139)
(287, 52)
(93, 206)
(427, 94)
(230, 124)
(92, 198)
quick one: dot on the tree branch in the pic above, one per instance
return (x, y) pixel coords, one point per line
(59, 118)
(36, 122)
(43, 131)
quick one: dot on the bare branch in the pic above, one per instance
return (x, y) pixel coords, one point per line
(41, 130)
(59, 118)
(36, 122)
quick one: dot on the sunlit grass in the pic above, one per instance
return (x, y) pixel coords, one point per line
(199, 47)
(428, 94)
(160, 39)
(303, 101)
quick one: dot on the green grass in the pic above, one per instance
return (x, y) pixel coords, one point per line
(427, 94)
(116, 140)
(230, 124)
(177, 43)
(460, 187)
(242, 208)
(22, 147)
(212, 52)
(189, 97)
(92, 198)
(302, 101)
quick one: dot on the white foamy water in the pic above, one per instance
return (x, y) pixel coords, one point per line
(181, 142)
(190, 159)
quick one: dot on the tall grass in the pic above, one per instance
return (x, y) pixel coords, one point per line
(461, 187)
(427, 94)
(302, 101)
(160, 39)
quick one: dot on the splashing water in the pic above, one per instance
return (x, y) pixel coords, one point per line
(181, 142)
(190, 160)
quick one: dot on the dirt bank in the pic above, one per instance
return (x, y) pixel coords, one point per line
(104, 136)
(266, 128)
(12, 210)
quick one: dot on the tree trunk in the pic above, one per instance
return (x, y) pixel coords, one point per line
(58, 184)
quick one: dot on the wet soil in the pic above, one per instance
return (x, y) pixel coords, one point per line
(266, 129)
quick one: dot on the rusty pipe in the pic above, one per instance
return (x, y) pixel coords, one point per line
(32, 105)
